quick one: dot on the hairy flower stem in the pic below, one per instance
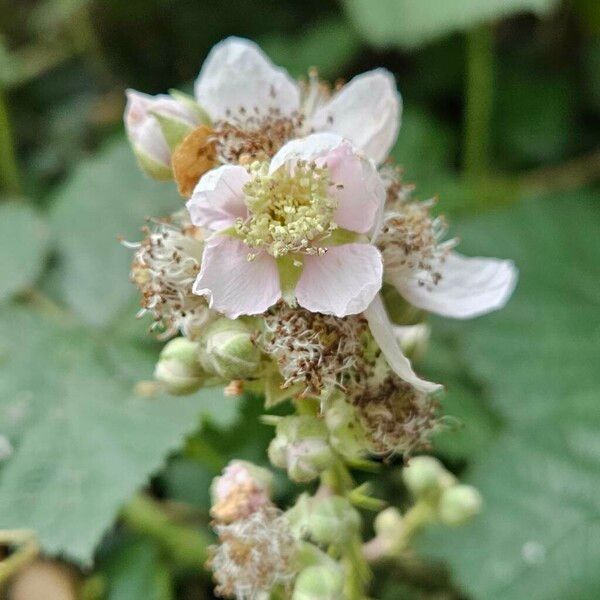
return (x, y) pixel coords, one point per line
(187, 547)
(478, 102)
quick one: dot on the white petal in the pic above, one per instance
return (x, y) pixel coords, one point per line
(218, 198)
(309, 148)
(341, 282)
(469, 287)
(236, 286)
(366, 111)
(237, 74)
(383, 332)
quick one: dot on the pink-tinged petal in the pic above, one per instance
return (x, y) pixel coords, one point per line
(366, 111)
(342, 282)
(309, 148)
(238, 75)
(218, 198)
(234, 285)
(383, 333)
(469, 287)
(356, 184)
(357, 187)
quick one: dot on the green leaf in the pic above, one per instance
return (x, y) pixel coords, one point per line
(23, 244)
(411, 23)
(328, 45)
(135, 571)
(107, 197)
(84, 442)
(539, 534)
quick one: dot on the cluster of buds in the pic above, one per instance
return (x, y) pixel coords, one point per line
(272, 280)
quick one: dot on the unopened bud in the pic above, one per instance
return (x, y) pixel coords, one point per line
(242, 489)
(228, 349)
(154, 124)
(334, 521)
(300, 446)
(389, 527)
(459, 504)
(319, 583)
(426, 475)
(346, 433)
(178, 368)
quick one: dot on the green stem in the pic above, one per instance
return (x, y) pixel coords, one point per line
(9, 170)
(187, 547)
(478, 102)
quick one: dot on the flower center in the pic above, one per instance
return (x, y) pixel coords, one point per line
(290, 210)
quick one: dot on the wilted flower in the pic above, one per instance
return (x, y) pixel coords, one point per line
(254, 555)
(291, 228)
(165, 265)
(242, 489)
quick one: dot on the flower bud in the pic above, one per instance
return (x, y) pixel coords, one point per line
(300, 446)
(242, 489)
(178, 368)
(459, 504)
(346, 433)
(319, 583)
(155, 124)
(389, 527)
(426, 475)
(334, 521)
(228, 349)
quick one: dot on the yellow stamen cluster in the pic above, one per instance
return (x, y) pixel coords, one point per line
(290, 210)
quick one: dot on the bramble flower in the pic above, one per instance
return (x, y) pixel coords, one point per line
(254, 555)
(154, 124)
(256, 107)
(242, 489)
(165, 265)
(294, 228)
(428, 273)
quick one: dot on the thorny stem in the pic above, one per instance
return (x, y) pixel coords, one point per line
(478, 102)
(9, 170)
(28, 550)
(187, 547)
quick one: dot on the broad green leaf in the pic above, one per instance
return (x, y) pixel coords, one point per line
(412, 23)
(106, 198)
(539, 534)
(84, 442)
(23, 244)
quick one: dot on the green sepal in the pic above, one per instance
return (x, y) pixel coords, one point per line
(341, 236)
(290, 269)
(153, 168)
(174, 130)
(190, 103)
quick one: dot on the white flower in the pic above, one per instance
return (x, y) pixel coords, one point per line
(239, 83)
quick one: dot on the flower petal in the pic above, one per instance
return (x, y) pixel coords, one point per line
(366, 111)
(356, 184)
(238, 75)
(218, 198)
(469, 287)
(383, 332)
(235, 285)
(341, 282)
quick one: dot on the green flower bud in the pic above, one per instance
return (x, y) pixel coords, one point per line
(346, 432)
(426, 475)
(228, 350)
(389, 527)
(178, 368)
(319, 583)
(299, 515)
(459, 504)
(300, 446)
(334, 521)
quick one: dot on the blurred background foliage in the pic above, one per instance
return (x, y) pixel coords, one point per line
(501, 121)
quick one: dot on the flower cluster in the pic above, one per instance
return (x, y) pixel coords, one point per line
(271, 280)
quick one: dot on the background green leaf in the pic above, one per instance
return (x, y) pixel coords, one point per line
(538, 536)
(411, 23)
